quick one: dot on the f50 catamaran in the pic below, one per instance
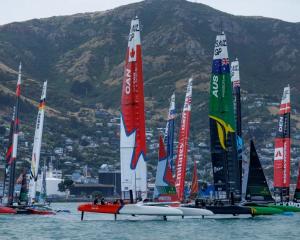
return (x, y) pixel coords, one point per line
(182, 148)
(35, 160)
(132, 139)
(282, 152)
(11, 154)
(132, 126)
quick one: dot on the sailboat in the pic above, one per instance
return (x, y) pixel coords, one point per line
(282, 152)
(182, 148)
(164, 190)
(36, 152)
(11, 154)
(164, 172)
(226, 173)
(282, 156)
(132, 140)
(258, 194)
(243, 164)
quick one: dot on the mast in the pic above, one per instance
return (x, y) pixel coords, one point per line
(11, 154)
(282, 152)
(222, 125)
(36, 151)
(164, 190)
(183, 142)
(194, 186)
(243, 168)
(257, 186)
(132, 126)
(169, 131)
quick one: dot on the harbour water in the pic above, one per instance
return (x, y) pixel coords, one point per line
(97, 226)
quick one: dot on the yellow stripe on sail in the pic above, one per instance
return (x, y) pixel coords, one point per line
(220, 125)
(221, 135)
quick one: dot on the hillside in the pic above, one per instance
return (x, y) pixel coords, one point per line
(82, 58)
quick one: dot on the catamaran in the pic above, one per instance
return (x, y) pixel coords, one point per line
(243, 163)
(36, 152)
(164, 178)
(282, 156)
(282, 150)
(132, 140)
(226, 167)
(165, 190)
(11, 154)
(258, 194)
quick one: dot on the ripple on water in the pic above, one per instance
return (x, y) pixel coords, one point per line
(96, 226)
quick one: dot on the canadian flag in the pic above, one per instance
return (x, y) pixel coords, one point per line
(278, 154)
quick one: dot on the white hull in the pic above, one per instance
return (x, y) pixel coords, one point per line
(229, 216)
(195, 212)
(186, 211)
(136, 209)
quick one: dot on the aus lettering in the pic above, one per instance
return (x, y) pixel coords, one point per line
(215, 86)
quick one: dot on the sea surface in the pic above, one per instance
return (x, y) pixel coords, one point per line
(97, 226)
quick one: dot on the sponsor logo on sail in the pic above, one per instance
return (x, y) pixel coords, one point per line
(127, 81)
(217, 169)
(278, 155)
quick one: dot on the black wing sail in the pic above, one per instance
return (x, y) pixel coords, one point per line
(257, 188)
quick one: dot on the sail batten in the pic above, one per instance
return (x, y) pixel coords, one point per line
(132, 126)
(182, 148)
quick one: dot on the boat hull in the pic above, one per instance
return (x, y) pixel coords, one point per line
(230, 211)
(36, 210)
(265, 210)
(286, 208)
(195, 212)
(7, 210)
(130, 209)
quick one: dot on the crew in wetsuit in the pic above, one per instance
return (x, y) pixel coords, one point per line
(96, 200)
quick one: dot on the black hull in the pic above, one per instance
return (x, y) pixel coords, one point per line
(227, 209)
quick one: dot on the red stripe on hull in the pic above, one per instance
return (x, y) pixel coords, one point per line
(106, 208)
(7, 210)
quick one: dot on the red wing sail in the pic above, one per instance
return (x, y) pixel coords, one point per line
(132, 126)
(132, 106)
(282, 154)
(183, 143)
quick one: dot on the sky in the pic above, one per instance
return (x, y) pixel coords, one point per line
(20, 10)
